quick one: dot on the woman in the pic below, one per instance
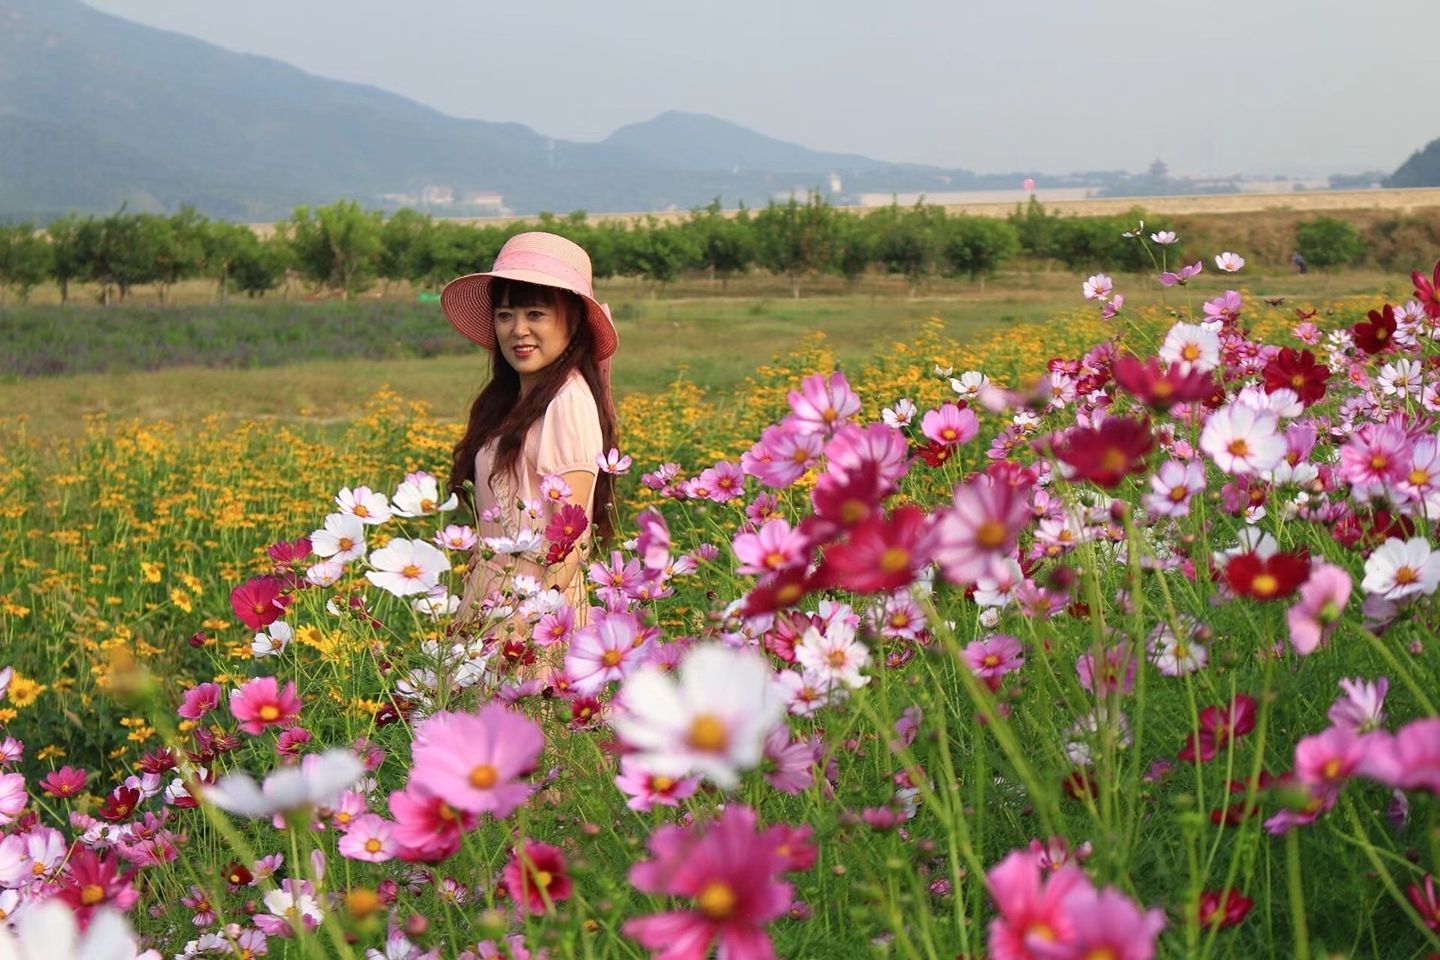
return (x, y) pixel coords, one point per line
(546, 412)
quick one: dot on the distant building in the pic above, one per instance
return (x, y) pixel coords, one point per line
(483, 199)
(835, 184)
(437, 196)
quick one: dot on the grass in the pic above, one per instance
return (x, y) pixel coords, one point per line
(318, 363)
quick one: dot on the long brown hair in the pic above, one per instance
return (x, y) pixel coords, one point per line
(500, 411)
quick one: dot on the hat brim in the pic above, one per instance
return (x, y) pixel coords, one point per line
(466, 303)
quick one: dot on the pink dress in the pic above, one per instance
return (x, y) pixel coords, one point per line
(565, 440)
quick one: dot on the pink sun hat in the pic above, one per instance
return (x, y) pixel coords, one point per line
(536, 257)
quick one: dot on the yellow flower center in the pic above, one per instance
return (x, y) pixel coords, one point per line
(410, 572)
(894, 559)
(373, 845)
(1238, 447)
(91, 894)
(1264, 585)
(610, 658)
(717, 901)
(484, 777)
(269, 712)
(991, 535)
(708, 733)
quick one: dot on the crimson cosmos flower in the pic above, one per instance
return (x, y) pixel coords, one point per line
(1377, 332)
(1428, 291)
(119, 805)
(1162, 386)
(1297, 371)
(1270, 578)
(258, 602)
(1218, 728)
(1105, 455)
(1224, 908)
(881, 555)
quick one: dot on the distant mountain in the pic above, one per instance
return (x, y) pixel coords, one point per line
(96, 111)
(1421, 170)
(697, 141)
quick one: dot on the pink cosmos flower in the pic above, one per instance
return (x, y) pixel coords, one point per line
(554, 627)
(260, 703)
(789, 764)
(950, 425)
(981, 528)
(823, 403)
(1376, 455)
(370, 838)
(63, 783)
(992, 658)
(729, 873)
(199, 700)
(1324, 762)
(881, 554)
(1106, 923)
(653, 542)
(426, 827)
(536, 877)
(1112, 309)
(92, 882)
(1115, 672)
(472, 761)
(646, 789)
(1182, 276)
(782, 455)
(1322, 598)
(603, 651)
(855, 448)
(1408, 760)
(613, 462)
(1033, 916)
(12, 797)
(1362, 706)
(775, 546)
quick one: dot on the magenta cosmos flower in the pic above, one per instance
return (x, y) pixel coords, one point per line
(471, 761)
(1032, 909)
(260, 703)
(728, 872)
(882, 554)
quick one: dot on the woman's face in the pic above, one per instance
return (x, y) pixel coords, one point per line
(530, 337)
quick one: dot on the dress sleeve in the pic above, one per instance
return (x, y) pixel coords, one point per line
(570, 437)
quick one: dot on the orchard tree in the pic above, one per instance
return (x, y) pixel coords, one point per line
(404, 246)
(656, 251)
(724, 246)
(907, 240)
(854, 248)
(795, 239)
(25, 260)
(178, 246)
(258, 266)
(977, 246)
(67, 261)
(335, 247)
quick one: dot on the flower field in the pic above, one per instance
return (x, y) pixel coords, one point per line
(1107, 638)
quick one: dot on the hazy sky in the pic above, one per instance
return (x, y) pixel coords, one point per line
(1303, 87)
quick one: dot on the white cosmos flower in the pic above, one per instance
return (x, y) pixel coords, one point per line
(1192, 346)
(1401, 379)
(282, 901)
(457, 537)
(969, 384)
(317, 781)
(1229, 262)
(524, 541)
(1402, 568)
(419, 496)
(6, 675)
(1284, 401)
(1098, 287)
(712, 722)
(272, 641)
(804, 692)
(836, 655)
(342, 539)
(326, 573)
(1242, 440)
(438, 603)
(370, 506)
(48, 931)
(902, 412)
(613, 462)
(407, 567)
(1164, 237)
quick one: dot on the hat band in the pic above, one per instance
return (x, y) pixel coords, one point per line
(564, 273)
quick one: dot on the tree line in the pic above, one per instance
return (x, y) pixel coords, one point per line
(346, 249)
